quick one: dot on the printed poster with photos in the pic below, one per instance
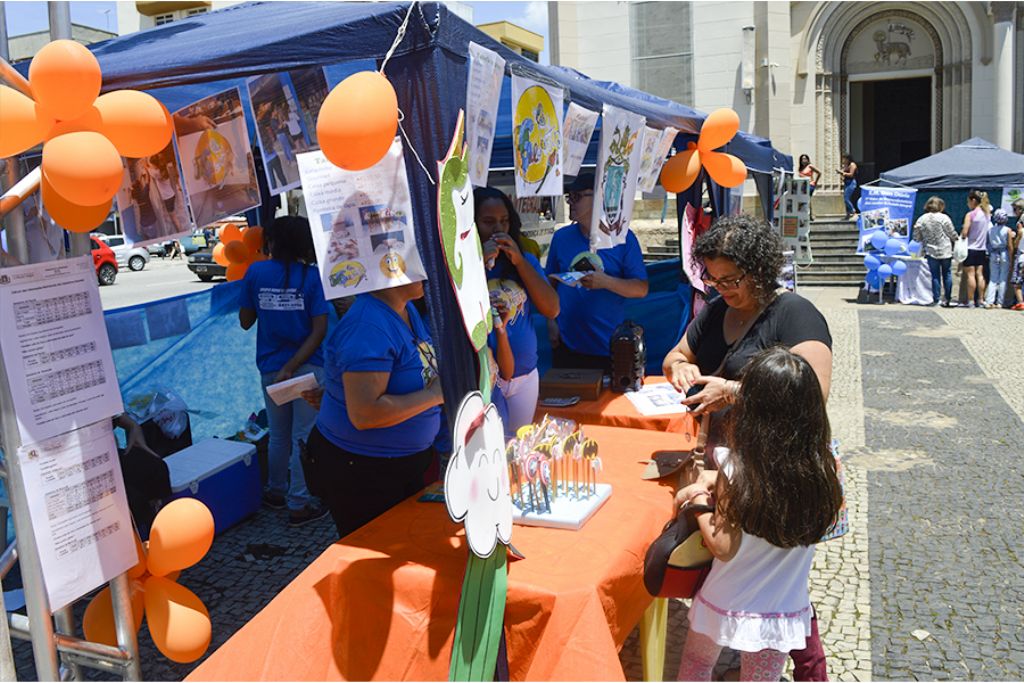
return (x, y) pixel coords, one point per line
(618, 168)
(483, 90)
(45, 239)
(361, 223)
(793, 215)
(656, 146)
(1010, 195)
(282, 125)
(537, 138)
(152, 201)
(216, 160)
(890, 209)
(576, 132)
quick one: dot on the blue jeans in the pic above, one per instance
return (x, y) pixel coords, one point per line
(999, 270)
(288, 424)
(942, 274)
(849, 187)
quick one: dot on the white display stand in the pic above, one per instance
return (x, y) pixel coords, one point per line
(566, 512)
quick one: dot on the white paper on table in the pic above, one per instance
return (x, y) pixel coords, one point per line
(483, 92)
(291, 389)
(618, 167)
(577, 130)
(655, 153)
(79, 511)
(657, 399)
(55, 348)
(362, 224)
(537, 138)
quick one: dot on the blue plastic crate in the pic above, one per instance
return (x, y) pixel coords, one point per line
(225, 475)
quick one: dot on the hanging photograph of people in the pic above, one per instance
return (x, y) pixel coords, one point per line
(151, 200)
(216, 159)
(283, 127)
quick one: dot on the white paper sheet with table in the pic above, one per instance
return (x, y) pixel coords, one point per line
(55, 348)
(657, 399)
(79, 511)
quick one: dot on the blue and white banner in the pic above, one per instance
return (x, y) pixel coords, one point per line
(889, 209)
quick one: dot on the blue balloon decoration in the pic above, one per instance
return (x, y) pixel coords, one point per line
(871, 262)
(898, 268)
(872, 279)
(879, 238)
(884, 271)
(893, 246)
(915, 247)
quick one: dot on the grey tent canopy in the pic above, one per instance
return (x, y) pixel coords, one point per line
(973, 163)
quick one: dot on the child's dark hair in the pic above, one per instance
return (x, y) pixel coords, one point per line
(784, 486)
(289, 240)
(486, 194)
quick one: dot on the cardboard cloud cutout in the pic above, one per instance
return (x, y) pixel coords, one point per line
(476, 482)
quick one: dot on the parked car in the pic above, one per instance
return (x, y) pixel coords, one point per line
(202, 264)
(104, 261)
(158, 249)
(135, 258)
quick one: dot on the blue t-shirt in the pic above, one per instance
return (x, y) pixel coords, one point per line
(588, 317)
(284, 310)
(504, 279)
(373, 338)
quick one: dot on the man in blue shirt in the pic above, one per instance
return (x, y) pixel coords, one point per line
(592, 309)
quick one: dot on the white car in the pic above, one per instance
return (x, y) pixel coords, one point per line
(135, 258)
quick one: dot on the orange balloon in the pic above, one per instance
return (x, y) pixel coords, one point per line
(229, 233)
(182, 533)
(178, 620)
(253, 238)
(358, 121)
(725, 169)
(218, 255)
(89, 120)
(719, 128)
(135, 122)
(140, 567)
(236, 271)
(681, 171)
(84, 168)
(236, 252)
(65, 79)
(72, 216)
(98, 622)
(23, 124)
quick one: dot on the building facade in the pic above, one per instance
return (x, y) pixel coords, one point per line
(889, 82)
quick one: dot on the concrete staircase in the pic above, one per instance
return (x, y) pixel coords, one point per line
(834, 248)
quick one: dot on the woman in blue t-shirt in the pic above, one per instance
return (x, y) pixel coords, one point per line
(284, 298)
(518, 286)
(379, 411)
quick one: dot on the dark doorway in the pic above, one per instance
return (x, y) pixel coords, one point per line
(891, 124)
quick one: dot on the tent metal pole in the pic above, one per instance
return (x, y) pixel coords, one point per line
(64, 624)
(124, 624)
(9, 74)
(14, 221)
(8, 672)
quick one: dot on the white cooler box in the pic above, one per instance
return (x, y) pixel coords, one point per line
(225, 475)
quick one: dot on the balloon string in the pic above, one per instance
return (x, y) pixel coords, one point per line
(408, 143)
(399, 37)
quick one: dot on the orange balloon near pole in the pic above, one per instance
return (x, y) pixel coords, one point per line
(178, 620)
(140, 567)
(358, 121)
(719, 128)
(681, 171)
(253, 238)
(98, 621)
(65, 78)
(229, 233)
(22, 123)
(72, 216)
(218, 255)
(84, 168)
(182, 533)
(725, 169)
(135, 122)
(236, 251)
(236, 271)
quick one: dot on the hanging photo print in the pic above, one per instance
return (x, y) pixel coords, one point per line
(576, 131)
(151, 200)
(45, 239)
(655, 151)
(216, 160)
(361, 223)
(311, 90)
(618, 166)
(483, 90)
(283, 130)
(537, 138)
(463, 253)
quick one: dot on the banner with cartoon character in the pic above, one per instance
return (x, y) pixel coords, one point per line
(618, 168)
(361, 223)
(654, 153)
(576, 132)
(537, 137)
(463, 253)
(483, 90)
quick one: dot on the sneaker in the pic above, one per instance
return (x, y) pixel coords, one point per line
(970, 304)
(310, 513)
(274, 501)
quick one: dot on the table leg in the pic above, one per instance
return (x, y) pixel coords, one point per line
(653, 629)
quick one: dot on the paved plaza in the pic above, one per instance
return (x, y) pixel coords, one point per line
(928, 406)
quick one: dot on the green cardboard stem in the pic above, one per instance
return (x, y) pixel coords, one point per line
(483, 355)
(480, 619)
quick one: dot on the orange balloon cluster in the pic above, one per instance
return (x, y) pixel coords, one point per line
(238, 248)
(178, 621)
(682, 170)
(358, 121)
(84, 134)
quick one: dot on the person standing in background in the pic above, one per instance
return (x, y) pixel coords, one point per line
(975, 231)
(934, 230)
(1017, 253)
(849, 175)
(1000, 237)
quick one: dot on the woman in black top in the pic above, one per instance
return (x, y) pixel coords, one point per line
(742, 259)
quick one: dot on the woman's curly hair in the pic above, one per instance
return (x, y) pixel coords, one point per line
(750, 243)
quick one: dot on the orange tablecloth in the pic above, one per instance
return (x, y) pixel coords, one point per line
(381, 603)
(615, 410)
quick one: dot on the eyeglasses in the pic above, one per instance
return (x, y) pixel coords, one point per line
(573, 197)
(724, 284)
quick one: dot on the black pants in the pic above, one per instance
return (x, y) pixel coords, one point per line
(357, 488)
(564, 357)
(146, 481)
